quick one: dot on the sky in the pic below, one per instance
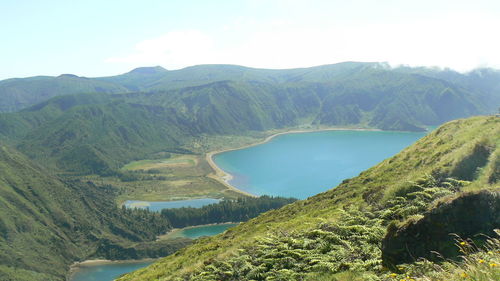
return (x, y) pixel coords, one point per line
(102, 38)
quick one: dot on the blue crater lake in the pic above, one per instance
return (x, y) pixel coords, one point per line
(296, 165)
(159, 205)
(304, 164)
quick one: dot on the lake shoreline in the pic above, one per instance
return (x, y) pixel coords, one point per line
(223, 177)
(76, 266)
(173, 231)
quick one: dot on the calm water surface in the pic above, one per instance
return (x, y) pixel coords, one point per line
(107, 272)
(204, 230)
(304, 164)
(157, 206)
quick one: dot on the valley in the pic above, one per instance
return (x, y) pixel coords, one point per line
(250, 140)
(196, 177)
(152, 135)
(332, 138)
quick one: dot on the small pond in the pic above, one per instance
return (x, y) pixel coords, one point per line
(157, 206)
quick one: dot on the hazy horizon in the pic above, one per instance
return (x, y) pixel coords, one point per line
(153, 66)
(94, 38)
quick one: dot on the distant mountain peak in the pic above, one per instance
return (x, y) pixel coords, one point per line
(381, 65)
(148, 70)
(68, 76)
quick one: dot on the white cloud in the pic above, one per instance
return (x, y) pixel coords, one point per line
(460, 41)
(174, 49)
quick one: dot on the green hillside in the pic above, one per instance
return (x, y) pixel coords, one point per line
(483, 84)
(336, 235)
(48, 222)
(71, 148)
(99, 138)
(96, 133)
(19, 93)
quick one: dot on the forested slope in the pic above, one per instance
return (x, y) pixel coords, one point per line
(47, 223)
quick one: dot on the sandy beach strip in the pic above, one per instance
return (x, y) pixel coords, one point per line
(103, 261)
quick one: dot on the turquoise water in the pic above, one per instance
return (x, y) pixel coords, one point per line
(304, 164)
(159, 205)
(206, 230)
(297, 165)
(107, 272)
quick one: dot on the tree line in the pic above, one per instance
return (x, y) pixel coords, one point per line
(241, 209)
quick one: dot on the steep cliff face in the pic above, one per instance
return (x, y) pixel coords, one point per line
(472, 215)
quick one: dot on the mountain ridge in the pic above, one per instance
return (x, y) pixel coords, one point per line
(73, 135)
(15, 96)
(100, 124)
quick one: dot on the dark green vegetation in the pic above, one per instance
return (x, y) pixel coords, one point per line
(84, 130)
(241, 209)
(98, 133)
(48, 222)
(482, 81)
(479, 263)
(337, 234)
(96, 136)
(466, 216)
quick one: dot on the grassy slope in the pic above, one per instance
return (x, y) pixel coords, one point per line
(439, 153)
(177, 178)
